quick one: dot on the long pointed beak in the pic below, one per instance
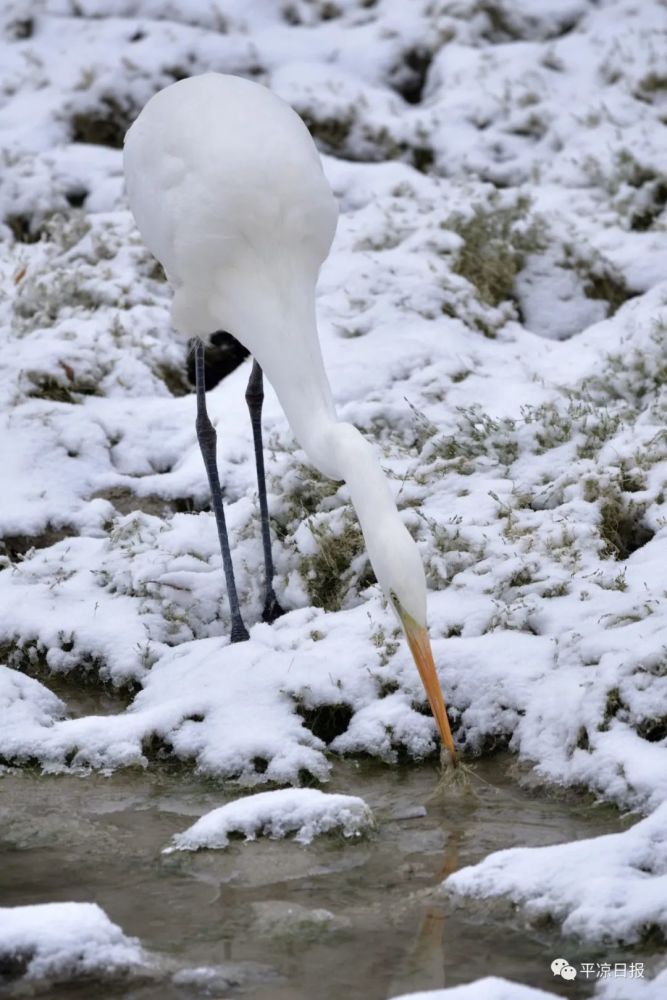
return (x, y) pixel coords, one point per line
(420, 647)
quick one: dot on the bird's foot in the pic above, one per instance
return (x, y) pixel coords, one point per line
(239, 631)
(272, 609)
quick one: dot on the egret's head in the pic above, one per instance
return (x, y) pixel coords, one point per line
(400, 573)
(392, 551)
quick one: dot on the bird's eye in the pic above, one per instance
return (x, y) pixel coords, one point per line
(393, 597)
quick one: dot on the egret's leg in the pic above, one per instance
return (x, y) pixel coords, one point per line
(206, 436)
(255, 398)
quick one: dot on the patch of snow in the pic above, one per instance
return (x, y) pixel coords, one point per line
(638, 989)
(306, 812)
(489, 988)
(27, 708)
(65, 940)
(553, 299)
(580, 884)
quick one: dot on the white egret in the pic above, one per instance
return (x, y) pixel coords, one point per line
(228, 192)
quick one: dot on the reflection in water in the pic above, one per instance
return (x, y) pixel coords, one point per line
(426, 957)
(364, 920)
(423, 958)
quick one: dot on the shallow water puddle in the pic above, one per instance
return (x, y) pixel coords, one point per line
(357, 919)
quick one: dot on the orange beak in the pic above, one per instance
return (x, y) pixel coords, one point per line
(420, 647)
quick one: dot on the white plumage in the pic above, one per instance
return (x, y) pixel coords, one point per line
(228, 191)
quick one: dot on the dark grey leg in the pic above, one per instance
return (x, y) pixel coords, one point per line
(255, 398)
(207, 439)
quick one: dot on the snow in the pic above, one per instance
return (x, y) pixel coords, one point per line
(521, 424)
(27, 708)
(56, 943)
(489, 988)
(644, 989)
(62, 940)
(306, 812)
(492, 988)
(579, 884)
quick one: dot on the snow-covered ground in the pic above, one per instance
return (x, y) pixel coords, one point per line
(493, 316)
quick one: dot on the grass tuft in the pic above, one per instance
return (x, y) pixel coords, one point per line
(327, 573)
(496, 241)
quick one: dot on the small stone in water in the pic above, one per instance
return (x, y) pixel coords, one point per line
(411, 812)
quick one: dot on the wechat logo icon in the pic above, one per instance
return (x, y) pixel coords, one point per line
(561, 967)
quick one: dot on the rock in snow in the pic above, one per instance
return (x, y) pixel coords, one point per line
(62, 940)
(306, 812)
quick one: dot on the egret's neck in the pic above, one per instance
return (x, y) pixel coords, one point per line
(271, 311)
(358, 465)
(280, 331)
(337, 450)
(391, 549)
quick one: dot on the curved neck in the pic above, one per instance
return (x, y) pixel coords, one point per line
(292, 362)
(337, 449)
(277, 325)
(358, 465)
(342, 452)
